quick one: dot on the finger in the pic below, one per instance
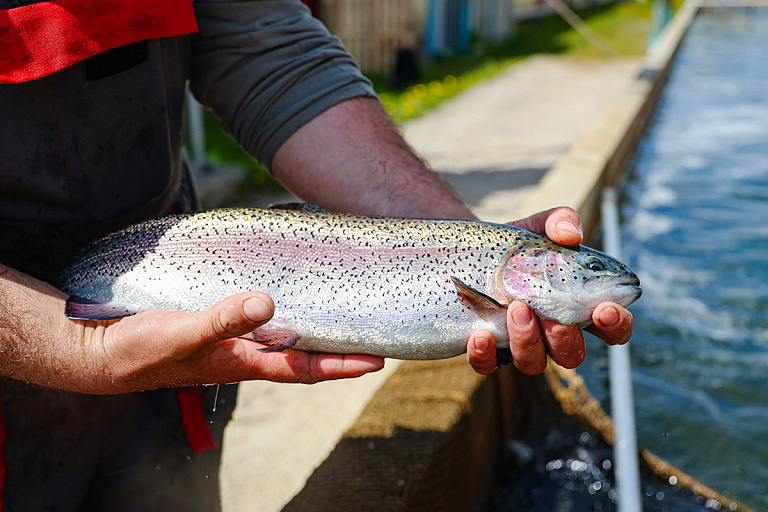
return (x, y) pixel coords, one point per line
(562, 225)
(234, 316)
(481, 351)
(296, 366)
(565, 342)
(528, 350)
(611, 323)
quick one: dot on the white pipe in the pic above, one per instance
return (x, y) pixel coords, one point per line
(626, 465)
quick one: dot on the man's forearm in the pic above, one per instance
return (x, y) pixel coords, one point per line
(35, 342)
(352, 158)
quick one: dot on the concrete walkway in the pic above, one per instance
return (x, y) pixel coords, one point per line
(494, 142)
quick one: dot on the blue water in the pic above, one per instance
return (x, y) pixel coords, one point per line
(695, 229)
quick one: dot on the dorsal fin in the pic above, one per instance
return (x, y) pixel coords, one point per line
(301, 207)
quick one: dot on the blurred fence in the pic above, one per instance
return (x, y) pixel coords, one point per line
(526, 9)
(376, 31)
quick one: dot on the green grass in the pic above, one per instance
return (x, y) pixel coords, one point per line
(625, 26)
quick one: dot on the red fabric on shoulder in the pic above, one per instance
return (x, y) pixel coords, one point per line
(193, 420)
(45, 37)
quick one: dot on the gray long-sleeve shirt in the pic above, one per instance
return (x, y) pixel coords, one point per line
(97, 146)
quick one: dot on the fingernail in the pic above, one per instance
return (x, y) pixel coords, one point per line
(256, 310)
(609, 316)
(481, 344)
(570, 227)
(522, 316)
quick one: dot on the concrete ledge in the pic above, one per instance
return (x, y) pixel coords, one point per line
(422, 443)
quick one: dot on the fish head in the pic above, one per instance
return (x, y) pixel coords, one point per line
(564, 284)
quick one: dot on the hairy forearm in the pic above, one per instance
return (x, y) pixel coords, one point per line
(352, 158)
(37, 342)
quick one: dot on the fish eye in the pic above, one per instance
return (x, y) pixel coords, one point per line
(595, 264)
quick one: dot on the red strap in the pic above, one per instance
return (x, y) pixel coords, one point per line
(45, 37)
(193, 420)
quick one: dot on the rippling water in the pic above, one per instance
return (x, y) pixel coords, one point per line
(696, 231)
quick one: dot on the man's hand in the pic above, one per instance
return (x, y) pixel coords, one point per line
(165, 348)
(531, 339)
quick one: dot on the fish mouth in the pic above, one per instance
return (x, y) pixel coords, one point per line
(633, 288)
(630, 280)
(613, 281)
(623, 290)
(629, 289)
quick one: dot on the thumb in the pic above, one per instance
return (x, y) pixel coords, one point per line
(562, 225)
(232, 317)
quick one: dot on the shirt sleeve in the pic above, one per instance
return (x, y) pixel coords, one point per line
(266, 67)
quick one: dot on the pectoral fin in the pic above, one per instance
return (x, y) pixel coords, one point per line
(276, 339)
(493, 312)
(485, 306)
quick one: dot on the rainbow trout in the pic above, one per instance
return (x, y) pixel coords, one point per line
(400, 288)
